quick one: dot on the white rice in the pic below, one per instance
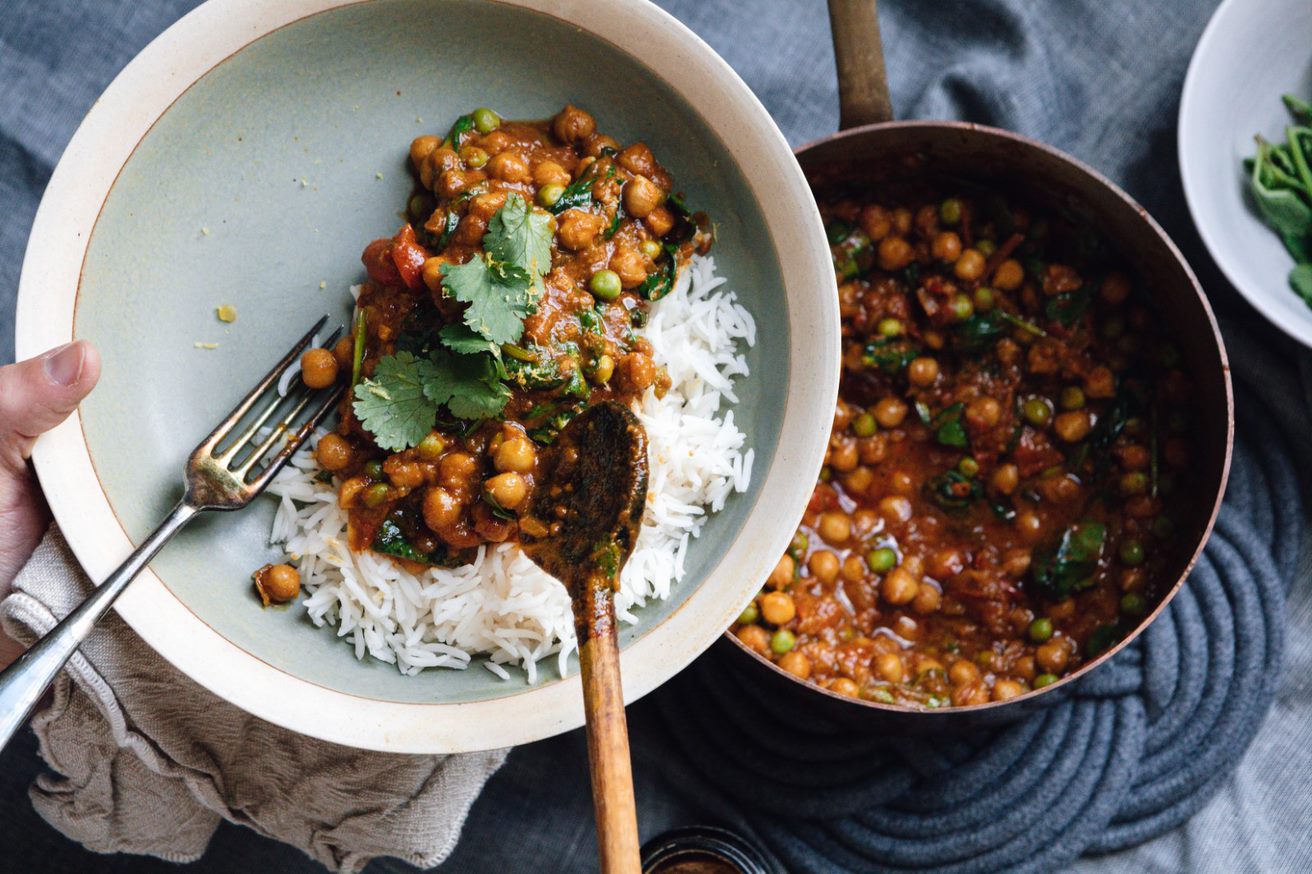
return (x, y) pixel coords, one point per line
(502, 605)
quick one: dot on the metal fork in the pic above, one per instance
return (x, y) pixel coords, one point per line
(216, 479)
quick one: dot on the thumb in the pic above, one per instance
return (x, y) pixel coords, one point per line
(38, 394)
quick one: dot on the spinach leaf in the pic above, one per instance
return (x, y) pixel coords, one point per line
(661, 283)
(1059, 570)
(953, 490)
(890, 354)
(448, 228)
(390, 540)
(463, 125)
(837, 231)
(538, 374)
(980, 331)
(1067, 309)
(1104, 637)
(947, 426)
(1300, 279)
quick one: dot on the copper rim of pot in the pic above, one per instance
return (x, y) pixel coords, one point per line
(869, 138)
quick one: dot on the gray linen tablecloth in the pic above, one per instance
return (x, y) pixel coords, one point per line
(1098, 79)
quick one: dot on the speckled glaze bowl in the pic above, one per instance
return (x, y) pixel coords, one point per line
(245, 158)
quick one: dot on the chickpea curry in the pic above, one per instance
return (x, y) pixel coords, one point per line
(512, 300)
(1009, 439)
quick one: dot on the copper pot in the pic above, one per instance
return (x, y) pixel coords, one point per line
(871, 147)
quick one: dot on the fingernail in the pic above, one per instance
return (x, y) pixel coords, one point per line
(64, 365)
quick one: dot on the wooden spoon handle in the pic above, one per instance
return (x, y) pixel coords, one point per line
(608, 733)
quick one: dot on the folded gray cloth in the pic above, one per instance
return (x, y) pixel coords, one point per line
(149, 762)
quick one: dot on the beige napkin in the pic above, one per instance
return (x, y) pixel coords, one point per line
(146, 761)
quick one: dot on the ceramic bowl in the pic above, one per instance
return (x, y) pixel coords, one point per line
(244, 158)
(1252, 52)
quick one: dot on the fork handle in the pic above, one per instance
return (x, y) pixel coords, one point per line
(24, 682)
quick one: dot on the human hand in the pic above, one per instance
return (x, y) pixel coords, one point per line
(35, 396)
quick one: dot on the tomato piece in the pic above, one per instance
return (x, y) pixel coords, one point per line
(409, 258)
(378, 263)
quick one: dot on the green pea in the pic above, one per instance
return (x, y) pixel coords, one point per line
(376, 494)
(782, 641)
(485, 120)
(1134, 605)
(422, 206)
(749, 615)
(374, 469)
(602, 370)
(1041, 629)
(863, 425)
(1044, 680)
(826, 474)
(549, 194)
(962, 308)
(1072, 398)
(605, 285)
(949, 211)
(430, 448)
(473, 156)
(889, 327)
(1037, 411)
(650, 248)
(798, 547)
(968, 466)
(984, 299)
(1131, 553)
(1134, 483)
(881, 560)
(986, 247)
(1163, 527)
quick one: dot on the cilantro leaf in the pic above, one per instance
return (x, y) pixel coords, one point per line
(393, 405)
(497, 306)
(467, 385)
(520, 236)
(461, 338)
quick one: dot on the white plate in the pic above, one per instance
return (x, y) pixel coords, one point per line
(1252, 52)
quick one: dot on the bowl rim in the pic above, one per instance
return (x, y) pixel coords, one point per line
(1027, 699)
(1190, 97)
(107, 138)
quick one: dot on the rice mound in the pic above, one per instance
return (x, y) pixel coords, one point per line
(502, 605)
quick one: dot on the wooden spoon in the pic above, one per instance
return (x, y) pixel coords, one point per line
(591, 492)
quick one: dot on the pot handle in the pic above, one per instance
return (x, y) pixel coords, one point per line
(859, 55)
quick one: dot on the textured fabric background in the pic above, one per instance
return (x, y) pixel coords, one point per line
(1098, 79)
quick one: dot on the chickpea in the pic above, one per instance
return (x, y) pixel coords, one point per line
(876, 222)
(983, 413)
(835, 527)
(778, 608)
(1005, 690)
(432, 274)
(796, 664)
(509, 167)
(660, 222)
(963, 671)
(641, 196)
(854, 568)
(970, 266)
(782, 575)
(899, 586)
(453, 183)
(926, 220)
(1009, 275)
(895, 253)
(578, 229)
(572, 124)
(1029, 526)
(895, 509)
(421, 148)
(516, 455)
(1062, 610)
(823, 565)
(550, 173)
(403, 474)
(844, 686)
(755, 638)
(637, 371)
(1073, 426)
(473, 156)
(318, 368)
(1100, 383)
(946, 246)
(437, 162)
(508, 489)
(1052, 657)
(333, 452)
(922, 372)
(344, 352)
(470, 230)
(630, 266)
(902, 482)
(927, 600)
(859, 480)
(598, 143)
(277, 583)
(902, 221)
(638, 160)
(890, 412)
(889, 667)
(457, 469)
(843, 456)
(1005, 479)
